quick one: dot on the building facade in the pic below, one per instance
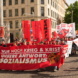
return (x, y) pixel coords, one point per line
(15, 11)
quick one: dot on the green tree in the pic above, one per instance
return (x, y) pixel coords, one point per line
(71, 14)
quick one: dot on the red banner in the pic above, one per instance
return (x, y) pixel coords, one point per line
(26, 29)
(47, 29)
(61, 34)
(1, 31)
(37, 31)
(31, 57)
(54, 35)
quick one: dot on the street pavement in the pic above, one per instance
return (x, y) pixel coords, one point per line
(68, 70)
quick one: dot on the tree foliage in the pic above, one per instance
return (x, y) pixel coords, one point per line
(71, 14)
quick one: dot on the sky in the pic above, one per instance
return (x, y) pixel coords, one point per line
(70, 1)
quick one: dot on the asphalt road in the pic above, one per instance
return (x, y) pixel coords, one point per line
(68, 70)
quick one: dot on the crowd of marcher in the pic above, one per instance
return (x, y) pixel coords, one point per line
(56, 41)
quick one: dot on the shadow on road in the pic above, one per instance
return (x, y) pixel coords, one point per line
(72, 69)
(72, 56)
(42, 74)
(72, 61)
(47, 69)
(76, 55)
(34, 74)
(50, 76)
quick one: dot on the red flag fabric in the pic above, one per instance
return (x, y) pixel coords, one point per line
(54, 35)
(42, 27)
(37, 31)
(26, 30)
(61, 34)
(47, 29)
(2, 32)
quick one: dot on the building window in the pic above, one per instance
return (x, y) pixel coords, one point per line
(5, 23)
(17, 34)
(16, 12)
(10, 13)
(4, 2)
(4, 13)
(32, 19)
(55, 15)
(10, 2)
(22, 1)
(53, 24)
(48, 12)
(42, 1)
(48, 1)
(42, 11)
(32, 10)
(10, 23)
(51, 2)
(16, 1)
(55, 5)
(32, 0)
(16, 24)
(22, 11)
(51, 13)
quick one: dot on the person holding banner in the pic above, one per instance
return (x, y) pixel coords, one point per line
(14, 43)
(24, 43)
(18, 42)
(73, 49)
(62, 42)
(3, 43)
(53, 42)
(57, 43)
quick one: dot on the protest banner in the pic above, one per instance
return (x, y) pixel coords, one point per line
(69, 43)
(26, 30)
(31, 57)
(47, 29)
(54, 35)
(71, 28)
(37, 31)
(76, 41)
(66, 30)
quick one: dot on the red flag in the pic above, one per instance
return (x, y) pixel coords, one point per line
(47, 29)
(26, 29)
(37, 30)
(1, 31)
(54, 34)
(42, 29)
(61, 34)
